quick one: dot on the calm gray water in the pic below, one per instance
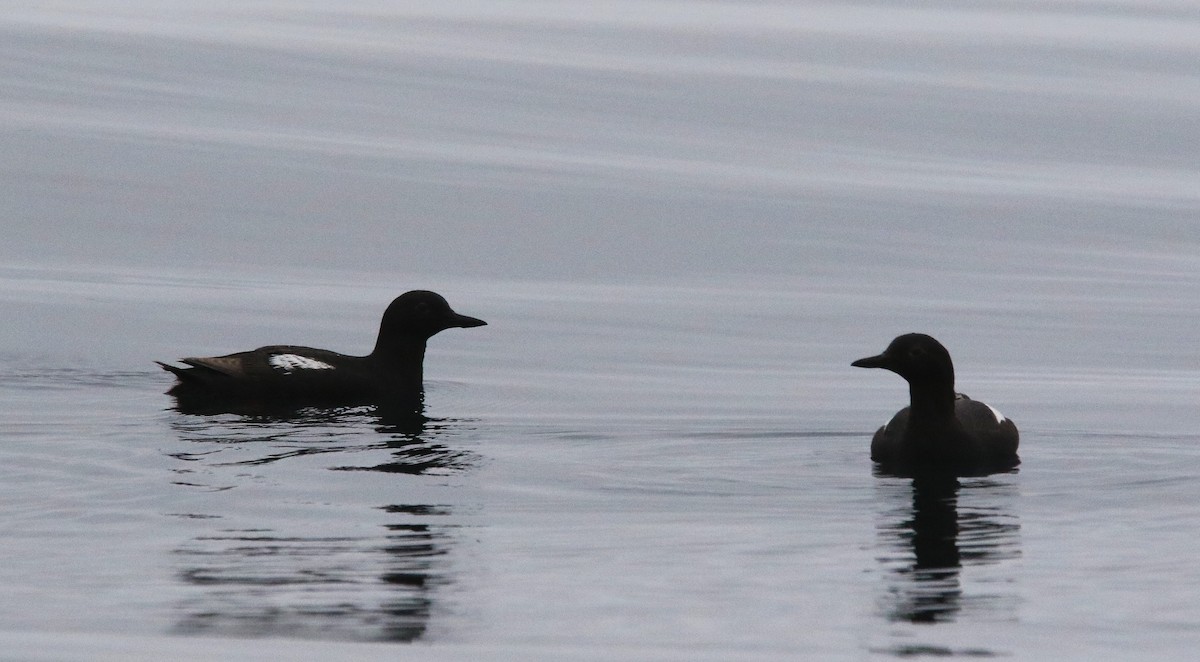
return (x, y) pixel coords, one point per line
(682, 221)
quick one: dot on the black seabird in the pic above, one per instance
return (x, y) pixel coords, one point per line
(291, 374)
(940, 430)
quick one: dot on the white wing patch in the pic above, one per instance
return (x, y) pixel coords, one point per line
(288, 363)
(996, 413)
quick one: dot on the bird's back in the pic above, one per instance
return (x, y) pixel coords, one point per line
(979, 439)
(274, 371)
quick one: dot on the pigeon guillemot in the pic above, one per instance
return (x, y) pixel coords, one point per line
(940, 429)
(289, 373)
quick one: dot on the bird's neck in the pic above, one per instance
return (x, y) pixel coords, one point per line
(932, 405)
(403, 358)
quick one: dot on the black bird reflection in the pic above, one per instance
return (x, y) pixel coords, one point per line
(375, 575)
(261, 582)
(267, 433)
(930, 541)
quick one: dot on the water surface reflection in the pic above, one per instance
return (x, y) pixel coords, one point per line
(299, 561)
(933, 531)
(409, 439)
(264, 583)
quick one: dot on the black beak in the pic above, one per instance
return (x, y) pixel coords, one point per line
(879, 361)
(465, 322)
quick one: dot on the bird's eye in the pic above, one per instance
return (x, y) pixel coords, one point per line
(423, 308)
